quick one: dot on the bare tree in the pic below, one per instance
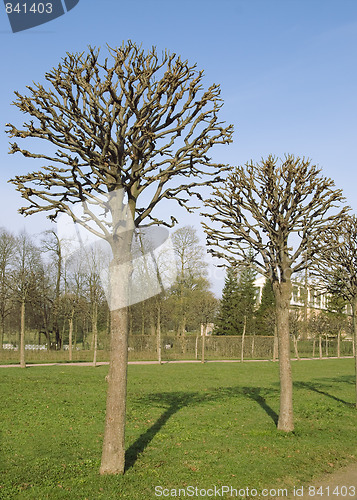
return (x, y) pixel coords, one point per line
(337, 266)
(129, 133)
(52, 244)
(95, 259)
(276, 210)
(7, 251)
(25, 281)
(191, 269)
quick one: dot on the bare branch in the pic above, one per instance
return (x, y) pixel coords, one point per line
(131, 122)
(277, 211)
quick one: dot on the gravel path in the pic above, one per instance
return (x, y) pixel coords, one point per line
(339, 484)
(89, 363)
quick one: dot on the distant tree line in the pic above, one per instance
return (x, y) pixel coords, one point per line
(49, 297)
(242, 310)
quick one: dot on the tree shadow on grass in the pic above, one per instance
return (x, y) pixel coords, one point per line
(343, 379)
(321, 388)
(175, 401)
(257, 394)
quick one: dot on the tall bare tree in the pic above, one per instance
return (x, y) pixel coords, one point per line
(276, 210)
(128, 133)
(337, 266)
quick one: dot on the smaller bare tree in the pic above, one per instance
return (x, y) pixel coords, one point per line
(337, 266)
(277, 211)
(25, 280)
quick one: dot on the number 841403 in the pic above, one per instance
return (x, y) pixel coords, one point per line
(29, 8)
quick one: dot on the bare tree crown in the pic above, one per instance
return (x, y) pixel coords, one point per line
(337, 259)
(131, 122)
(261, 206)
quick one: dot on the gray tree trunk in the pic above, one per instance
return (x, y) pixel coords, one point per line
(243, 335)
(354, 318)
(70, 336)
(22, 336)
(296, 348)
(113, 453)
(275, 346)
(159, 333)
(1, 334)
(95, 332)
(282, 293)
(203, 347)
(339, 344)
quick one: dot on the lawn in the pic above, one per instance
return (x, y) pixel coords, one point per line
(187, 425)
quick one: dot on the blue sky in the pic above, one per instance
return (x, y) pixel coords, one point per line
(287, 70)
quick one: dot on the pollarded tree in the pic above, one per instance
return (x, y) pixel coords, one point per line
(277, 210)
(337, 266)
(127, 133)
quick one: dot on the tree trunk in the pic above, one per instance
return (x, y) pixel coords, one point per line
(70, 335)
(95, 348)
(113, 454)
(243, 335)
(326, 346)
(339, 344)
(320, 346)
(275, 346)
(296, 348)
(282, 293)
(354, 319)
(2, 331)
(22, 336)
(313, 347)
(203, 347)
(159, 333)
(95, 332)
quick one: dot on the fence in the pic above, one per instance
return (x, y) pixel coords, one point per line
(190, 347)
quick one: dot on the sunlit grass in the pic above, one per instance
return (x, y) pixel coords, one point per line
(199, 425)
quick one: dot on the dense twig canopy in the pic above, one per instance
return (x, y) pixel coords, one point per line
(275, 209)
(337, 259)
(131, 122)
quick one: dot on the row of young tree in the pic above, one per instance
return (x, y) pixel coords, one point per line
(127, 133)
(48, 298)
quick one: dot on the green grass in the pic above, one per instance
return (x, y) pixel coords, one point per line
(198, 425)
